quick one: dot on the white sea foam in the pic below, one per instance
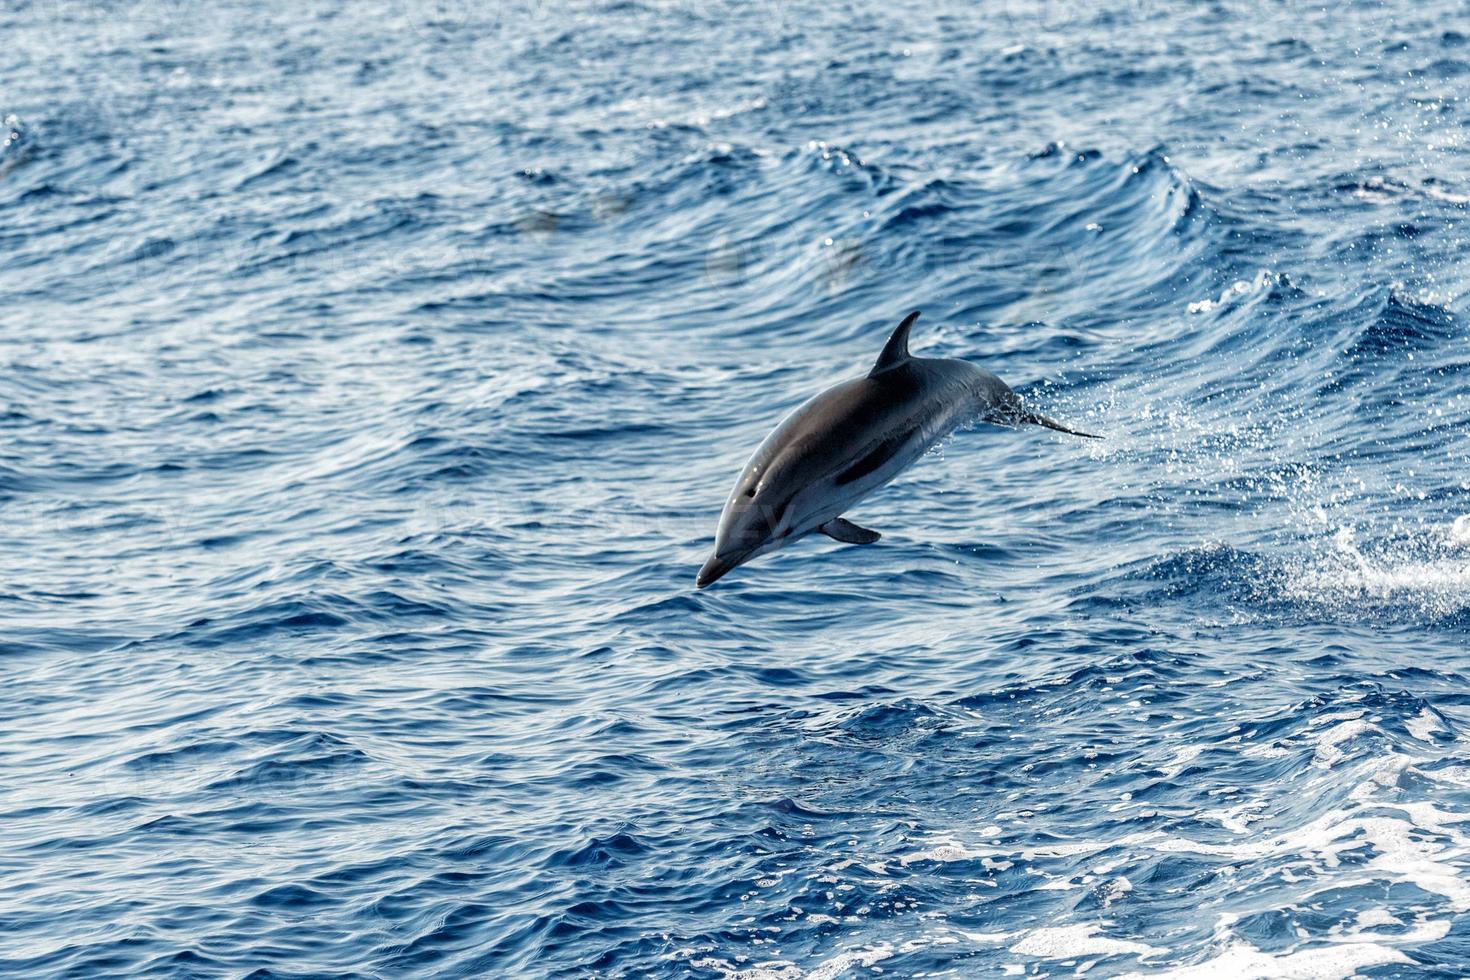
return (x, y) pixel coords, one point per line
(787, 970)
(1264, 280)
(1329, 752)
(1066, 942)
(1426, 573)
(1365, 843)
(1245, 962)
(1183, 756)
(1444, 583)
(843, 962)
(1423, 726)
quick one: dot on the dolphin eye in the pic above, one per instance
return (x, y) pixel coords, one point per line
(750, 492)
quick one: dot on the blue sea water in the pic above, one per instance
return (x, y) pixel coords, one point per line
(372, 375)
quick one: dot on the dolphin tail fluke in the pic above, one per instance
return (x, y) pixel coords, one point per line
(1036, 418)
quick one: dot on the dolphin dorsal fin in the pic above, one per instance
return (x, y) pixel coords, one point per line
(896, 351)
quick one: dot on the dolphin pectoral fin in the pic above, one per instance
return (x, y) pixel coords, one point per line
(841, 529)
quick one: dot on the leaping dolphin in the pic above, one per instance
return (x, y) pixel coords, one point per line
(850, 440)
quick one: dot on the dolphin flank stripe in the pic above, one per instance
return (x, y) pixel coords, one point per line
(849, 441)
(874, 459)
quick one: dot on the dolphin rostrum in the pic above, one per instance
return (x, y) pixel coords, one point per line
(850, 440)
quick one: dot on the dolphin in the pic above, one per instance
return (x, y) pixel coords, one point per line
(850, 440)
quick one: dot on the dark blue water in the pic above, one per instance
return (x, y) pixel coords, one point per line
(373, 374)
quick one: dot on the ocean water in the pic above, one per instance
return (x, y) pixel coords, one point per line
(372, 376)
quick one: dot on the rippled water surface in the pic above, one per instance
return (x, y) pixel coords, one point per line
(373, 374)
